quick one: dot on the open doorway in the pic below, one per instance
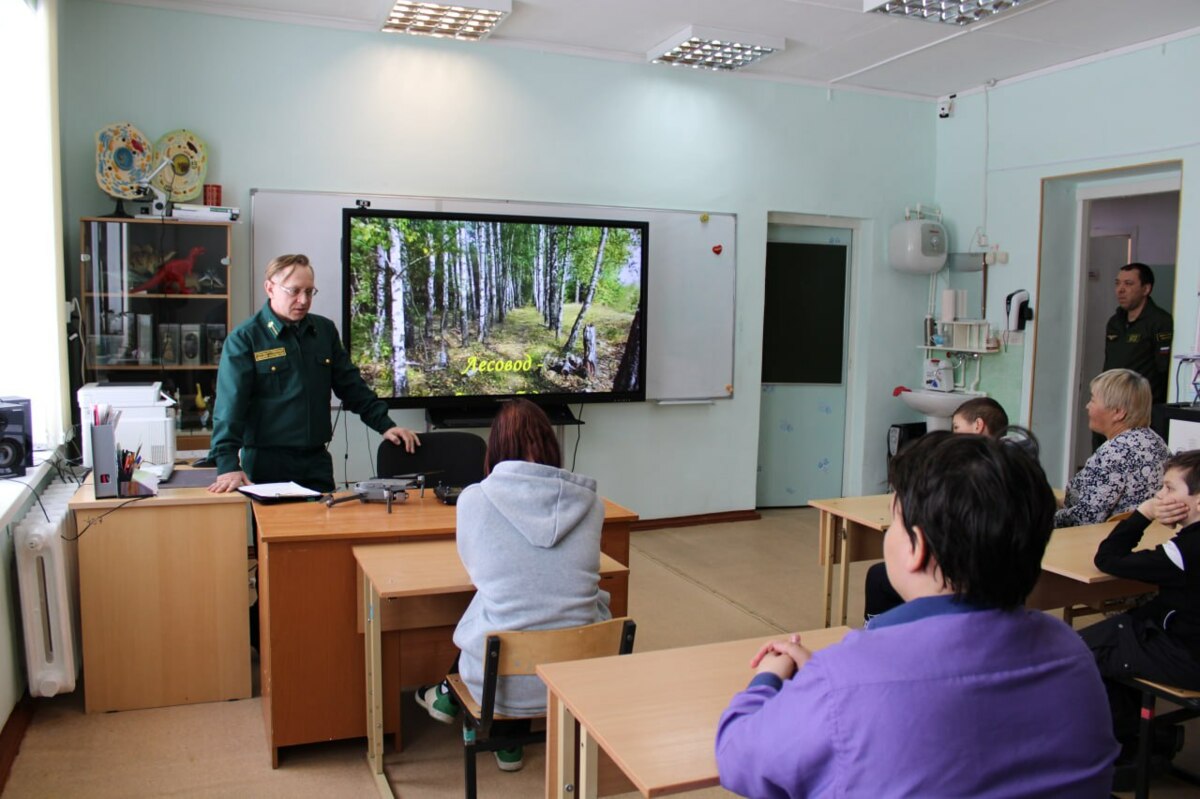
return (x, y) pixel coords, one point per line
(806, 324)
(1141, 228)
(1092, 225)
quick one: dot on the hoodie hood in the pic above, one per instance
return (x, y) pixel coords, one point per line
(544, 503)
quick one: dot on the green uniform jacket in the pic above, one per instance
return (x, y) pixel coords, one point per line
(1143, 345)
(273, 389)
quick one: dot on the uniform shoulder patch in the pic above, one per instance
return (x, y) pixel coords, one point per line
(1163, 336)
(1111, 336)
(266, 355)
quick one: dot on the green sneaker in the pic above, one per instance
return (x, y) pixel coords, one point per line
(438, 702)
(510, 759)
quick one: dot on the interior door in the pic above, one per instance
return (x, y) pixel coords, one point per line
(801, 443)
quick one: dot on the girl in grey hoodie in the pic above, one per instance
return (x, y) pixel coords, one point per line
(529, 536)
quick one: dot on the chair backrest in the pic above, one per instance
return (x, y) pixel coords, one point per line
(519, 653)
(522, 652)
(453, 458)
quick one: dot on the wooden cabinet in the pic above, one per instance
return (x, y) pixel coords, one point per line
(163, 598)
(155, 307)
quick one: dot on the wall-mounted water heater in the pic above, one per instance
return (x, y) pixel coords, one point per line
(917, 246)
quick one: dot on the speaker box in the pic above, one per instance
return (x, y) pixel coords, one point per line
(16, 436)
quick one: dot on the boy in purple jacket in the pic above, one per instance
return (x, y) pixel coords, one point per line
(960, 691)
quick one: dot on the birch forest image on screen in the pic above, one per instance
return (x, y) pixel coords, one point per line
(464, 307)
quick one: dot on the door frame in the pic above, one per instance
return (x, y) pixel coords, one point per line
(855, 408)
(1129, 181)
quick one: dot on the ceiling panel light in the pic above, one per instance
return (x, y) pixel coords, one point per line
(473, 22)
(709, 48)
(950, 12)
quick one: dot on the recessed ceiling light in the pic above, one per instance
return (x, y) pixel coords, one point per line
(473, 22)
(950, 12)
(710, 48)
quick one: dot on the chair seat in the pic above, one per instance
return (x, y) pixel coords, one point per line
(1168, 691)
(1190, 708)
(463, 695)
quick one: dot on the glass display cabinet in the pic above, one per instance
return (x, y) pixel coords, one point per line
(155, 307)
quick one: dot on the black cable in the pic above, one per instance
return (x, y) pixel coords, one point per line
(578, 435)
(102, 515)
(29, 488)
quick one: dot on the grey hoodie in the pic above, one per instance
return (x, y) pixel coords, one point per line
(529, 536)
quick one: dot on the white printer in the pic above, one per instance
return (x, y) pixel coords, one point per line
(147, 422)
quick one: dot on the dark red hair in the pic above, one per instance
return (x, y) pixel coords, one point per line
(521, 431)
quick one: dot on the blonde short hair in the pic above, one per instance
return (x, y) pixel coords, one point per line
(1124, 390)
(283, 264)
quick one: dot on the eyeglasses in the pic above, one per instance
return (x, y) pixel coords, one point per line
(293, 292)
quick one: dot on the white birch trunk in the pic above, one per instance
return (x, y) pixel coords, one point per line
(399, 321)
(591, 292)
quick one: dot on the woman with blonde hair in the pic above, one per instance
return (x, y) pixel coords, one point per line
(1127, 468)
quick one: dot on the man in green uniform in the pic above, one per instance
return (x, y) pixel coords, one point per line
(1138, 335)
(273, 385)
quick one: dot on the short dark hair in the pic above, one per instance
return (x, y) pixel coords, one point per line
(985, 408)
(1145, 273)
(985, 509)
(1188, 463)
(522, 431)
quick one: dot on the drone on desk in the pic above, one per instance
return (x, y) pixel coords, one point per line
(383, 489)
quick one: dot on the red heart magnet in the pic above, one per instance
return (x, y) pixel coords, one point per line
(717, 248)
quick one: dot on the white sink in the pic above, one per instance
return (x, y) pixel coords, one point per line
(938, 406)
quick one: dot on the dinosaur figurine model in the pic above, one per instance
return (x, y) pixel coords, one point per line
(172, 273)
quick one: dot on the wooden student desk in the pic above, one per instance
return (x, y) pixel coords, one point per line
(310, 655)
(1069, 573)
(845, 524)
(412, 586)
(163, 598)
(654, 714)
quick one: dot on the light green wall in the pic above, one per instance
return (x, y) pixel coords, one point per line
(1125, 111)
(294, 107)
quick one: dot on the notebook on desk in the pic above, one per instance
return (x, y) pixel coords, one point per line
(279, 492)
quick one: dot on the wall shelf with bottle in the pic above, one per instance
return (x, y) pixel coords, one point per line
(155, 306)
(961, 335)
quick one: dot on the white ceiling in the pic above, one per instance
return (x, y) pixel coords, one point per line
(829, 42)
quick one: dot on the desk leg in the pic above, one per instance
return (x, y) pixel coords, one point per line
(373, 646)
(847, 529)
(560, 750)
(589, 765)
(828, 533)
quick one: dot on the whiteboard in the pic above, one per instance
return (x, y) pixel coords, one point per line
(692, 272)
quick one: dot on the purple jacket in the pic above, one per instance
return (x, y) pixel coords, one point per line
(937, 703)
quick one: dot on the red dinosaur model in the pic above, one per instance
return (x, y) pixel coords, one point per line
(172, 273)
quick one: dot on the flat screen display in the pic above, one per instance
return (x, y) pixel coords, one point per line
(443, 310)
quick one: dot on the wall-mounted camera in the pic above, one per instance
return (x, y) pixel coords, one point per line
(946, 107)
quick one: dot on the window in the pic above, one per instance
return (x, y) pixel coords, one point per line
(32, 310)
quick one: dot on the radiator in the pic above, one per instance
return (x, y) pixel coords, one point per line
(48, 574)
